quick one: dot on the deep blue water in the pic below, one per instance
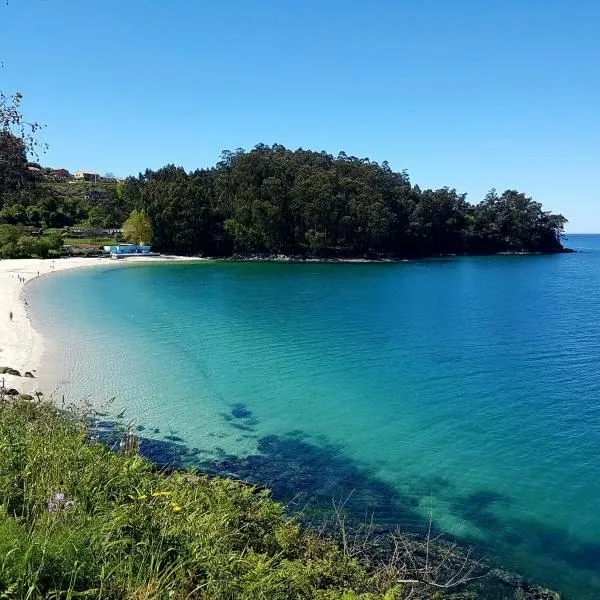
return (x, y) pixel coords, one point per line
(467, 388)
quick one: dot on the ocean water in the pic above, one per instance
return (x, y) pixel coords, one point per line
(463, 388)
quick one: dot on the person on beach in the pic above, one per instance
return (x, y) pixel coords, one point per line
(10, 315)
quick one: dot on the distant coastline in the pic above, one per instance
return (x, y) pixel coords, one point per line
(251, 257)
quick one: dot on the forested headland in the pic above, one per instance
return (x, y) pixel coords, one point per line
(272, 200)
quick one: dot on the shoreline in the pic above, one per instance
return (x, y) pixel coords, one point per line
(21, 345)
(300, 259)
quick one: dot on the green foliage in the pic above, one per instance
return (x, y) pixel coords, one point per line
(54, 239)
(15, 244)
(79, 520)
(9, 237)
(14, 174)
(97, 241)
(28, 246)
(274, 200)
(137, 228)
(56, 205)
(9, 234)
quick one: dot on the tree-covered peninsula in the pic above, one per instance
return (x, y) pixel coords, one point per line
(272, 200)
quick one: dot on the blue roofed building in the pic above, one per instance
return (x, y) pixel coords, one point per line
(123, 250)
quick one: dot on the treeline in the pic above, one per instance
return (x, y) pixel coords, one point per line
(18, 243)
(273, 200)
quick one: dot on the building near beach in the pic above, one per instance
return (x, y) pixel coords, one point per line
(60, 173)
(122, 250)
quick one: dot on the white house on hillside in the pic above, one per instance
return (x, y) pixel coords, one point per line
(86, 176)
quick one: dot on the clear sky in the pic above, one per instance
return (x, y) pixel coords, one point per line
(471, 94)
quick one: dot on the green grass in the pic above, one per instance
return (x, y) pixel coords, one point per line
(76, 188)
(78, 520)
(95, 241)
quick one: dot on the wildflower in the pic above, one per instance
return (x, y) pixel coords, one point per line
(56, 503)
(175, 507)
(27, 474)
(159, 494)
(142, 497)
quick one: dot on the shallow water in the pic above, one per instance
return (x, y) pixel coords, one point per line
(466, 388)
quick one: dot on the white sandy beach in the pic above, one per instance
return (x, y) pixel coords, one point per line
(21, 347)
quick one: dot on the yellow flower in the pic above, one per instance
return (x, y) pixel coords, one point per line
(142, 497)
(27, 473)
(158, 494)
(175, 507)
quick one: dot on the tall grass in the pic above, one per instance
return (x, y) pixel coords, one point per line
(78, 520)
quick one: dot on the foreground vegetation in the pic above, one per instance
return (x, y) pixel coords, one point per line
(77, 519)
(273, 200)
(80, 520)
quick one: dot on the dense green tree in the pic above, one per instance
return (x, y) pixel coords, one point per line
(28, 245)
(9, 237)
(272, 200)
(17, 139)
(137, 228)
(14, 174)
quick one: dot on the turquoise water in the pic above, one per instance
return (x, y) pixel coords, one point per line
(467, 388)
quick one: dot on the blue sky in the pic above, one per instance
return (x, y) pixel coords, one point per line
(471, 94)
